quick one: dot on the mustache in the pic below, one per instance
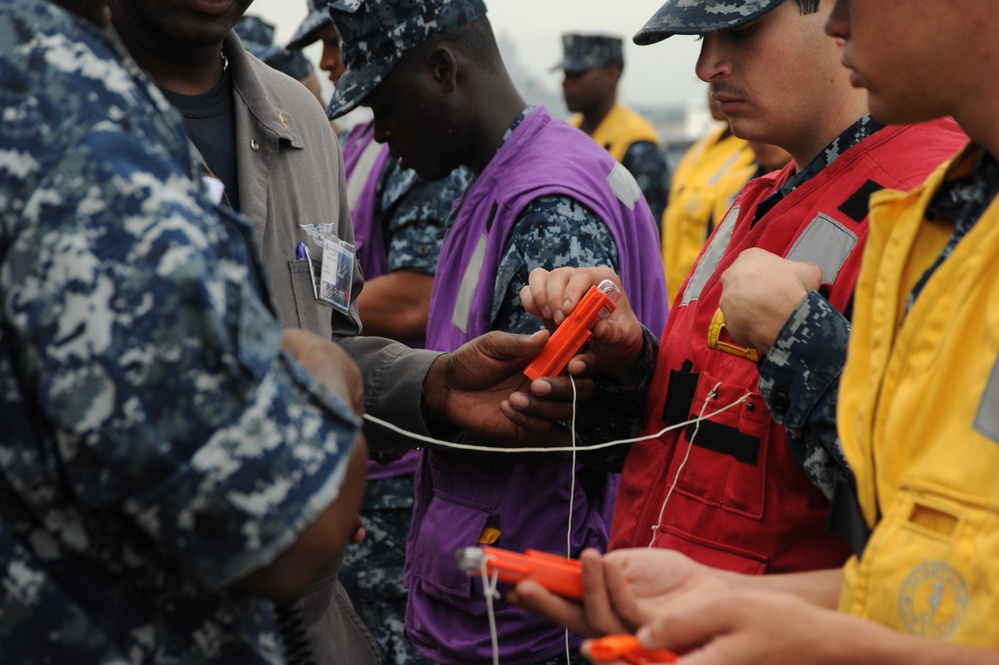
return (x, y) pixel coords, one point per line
(724, 88)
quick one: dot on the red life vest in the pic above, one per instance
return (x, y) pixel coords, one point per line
(741, 502)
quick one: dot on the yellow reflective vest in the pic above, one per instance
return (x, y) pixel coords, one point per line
(619, 129)
(919, 421)
(705, 183)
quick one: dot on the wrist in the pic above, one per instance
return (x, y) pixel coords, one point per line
(434, 394)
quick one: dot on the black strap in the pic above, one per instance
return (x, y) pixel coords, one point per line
(680, 394)
(859, 204)
(846, 519)
(725, 440)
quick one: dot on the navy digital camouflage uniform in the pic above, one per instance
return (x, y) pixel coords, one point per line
(156, 444)
(551, 232)
(414, 216)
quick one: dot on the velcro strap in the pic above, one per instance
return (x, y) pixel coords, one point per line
(859, 204)
(725, 440)
(680, 394)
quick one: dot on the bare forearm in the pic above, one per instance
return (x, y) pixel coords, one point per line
(396, 305)
(819, 587)
(854, 641)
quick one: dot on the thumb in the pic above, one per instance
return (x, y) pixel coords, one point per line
(504, 346)
(809, 274)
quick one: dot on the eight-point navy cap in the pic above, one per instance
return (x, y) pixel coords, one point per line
(581, 53)
(374, 35)
(696, 17)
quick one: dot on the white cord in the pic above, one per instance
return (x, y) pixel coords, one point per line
(489, 587)
(572, 497)
(690, 444)
(550, 449)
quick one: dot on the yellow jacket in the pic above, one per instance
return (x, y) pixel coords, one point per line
(919, 422)
(619, 129)
(706, 182)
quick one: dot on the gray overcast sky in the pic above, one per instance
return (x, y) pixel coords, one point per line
(659, 74)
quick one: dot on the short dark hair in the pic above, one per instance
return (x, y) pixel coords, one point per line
(476, 40)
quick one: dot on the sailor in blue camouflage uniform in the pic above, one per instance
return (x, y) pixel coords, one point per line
(487, 120)
(158, 446)
(552, 231)
(593, 65)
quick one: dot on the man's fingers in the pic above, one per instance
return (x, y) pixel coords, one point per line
(532, 596)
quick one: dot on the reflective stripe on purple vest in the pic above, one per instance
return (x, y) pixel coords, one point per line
(363, 162)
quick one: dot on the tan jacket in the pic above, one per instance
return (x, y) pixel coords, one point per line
(291, 185)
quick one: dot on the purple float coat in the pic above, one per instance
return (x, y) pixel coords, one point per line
(526, 502)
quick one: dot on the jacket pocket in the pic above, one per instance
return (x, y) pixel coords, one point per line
(929, 570)
(727, 463)
(307, 309)
(449, 524)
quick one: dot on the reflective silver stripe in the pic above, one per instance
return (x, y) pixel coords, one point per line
(725, 168)
(624, 186)
(826, 243)
(711, 258)
(361, 173)
(987, 418)
(469, 283)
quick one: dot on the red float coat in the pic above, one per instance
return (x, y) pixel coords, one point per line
(741, 502)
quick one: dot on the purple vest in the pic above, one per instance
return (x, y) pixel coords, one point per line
(363, 162)
(528, 503)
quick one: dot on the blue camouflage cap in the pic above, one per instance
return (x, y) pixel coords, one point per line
(254, 31)
(374, 35)
(581, 53)
(292, 63)
(306, 34)
(257, 36)
(696, 17)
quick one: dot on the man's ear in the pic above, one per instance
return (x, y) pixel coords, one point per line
(612, 74)
(444, 68)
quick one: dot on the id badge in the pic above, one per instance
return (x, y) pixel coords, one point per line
(337, 273)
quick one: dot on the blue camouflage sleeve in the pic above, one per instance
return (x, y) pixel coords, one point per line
(647, 164)
(551, 232)
(799, 381)
(141, 321)
(417, 212)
